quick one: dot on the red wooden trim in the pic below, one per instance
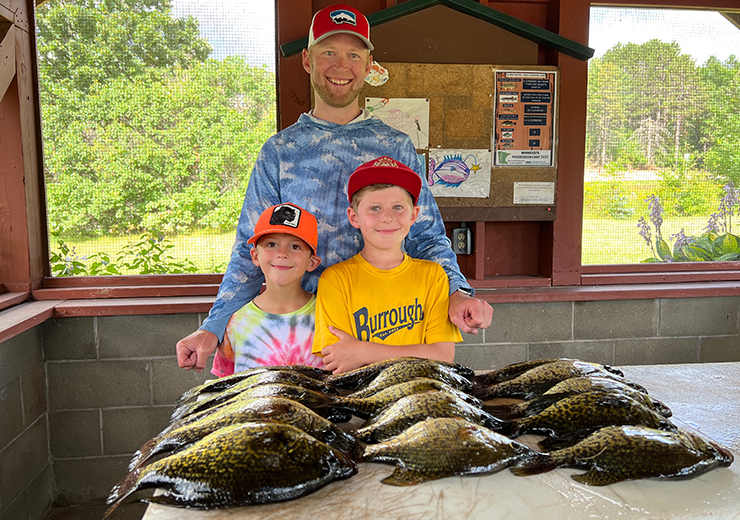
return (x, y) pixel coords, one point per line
(638, 278)
(569, 19)
(292, 20)
(480, 250)
(144, 291)
(133, 306)
(24, 317)
(510, 281)
(607, 293)
(706, 5)
(132, 280)
(687, 267)
(11, 299)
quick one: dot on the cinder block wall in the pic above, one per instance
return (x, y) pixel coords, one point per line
(624, 332)
(111, 382)
(25, 467)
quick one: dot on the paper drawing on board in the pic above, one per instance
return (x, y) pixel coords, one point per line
(409, 115)
(459, 173)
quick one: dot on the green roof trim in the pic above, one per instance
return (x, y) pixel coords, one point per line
(471, 8)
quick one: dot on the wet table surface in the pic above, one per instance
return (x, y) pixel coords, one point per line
(705, 398)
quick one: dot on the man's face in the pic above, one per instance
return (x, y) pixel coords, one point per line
(338, 66)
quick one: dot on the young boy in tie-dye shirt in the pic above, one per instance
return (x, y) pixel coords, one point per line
(276, 328)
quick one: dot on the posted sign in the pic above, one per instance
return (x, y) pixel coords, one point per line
(523, 117)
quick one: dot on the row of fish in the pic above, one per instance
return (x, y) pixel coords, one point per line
(269, 434)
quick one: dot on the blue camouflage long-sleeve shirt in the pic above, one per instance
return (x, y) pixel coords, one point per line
(309, 164)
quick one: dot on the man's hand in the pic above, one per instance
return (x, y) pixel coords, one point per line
(470, 314)
(193, 350)
(346, 354)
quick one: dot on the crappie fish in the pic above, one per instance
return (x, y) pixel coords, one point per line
(310, 398)
(226, 382)
(573, 386)
(261, 378)
(618, 453)
(443, 447)
(242, 464)
(262, 409)
(512, 371)
(367, 406)
(540, 379)
(401, 372)
(361, 377)
(397, 416)
(575, 417)
(317, 401)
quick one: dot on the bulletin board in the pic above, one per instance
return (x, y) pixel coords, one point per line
(488, 134)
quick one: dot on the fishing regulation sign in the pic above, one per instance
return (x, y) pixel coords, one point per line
(524, 117)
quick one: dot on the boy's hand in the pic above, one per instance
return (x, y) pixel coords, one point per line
(470, 314)
(193, 350)
(345, 354)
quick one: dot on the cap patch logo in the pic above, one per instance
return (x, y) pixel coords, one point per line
(285, 215)
(386, 161)
(343, 16)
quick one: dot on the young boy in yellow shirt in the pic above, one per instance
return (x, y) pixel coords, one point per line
(276, 328)
(382, 303)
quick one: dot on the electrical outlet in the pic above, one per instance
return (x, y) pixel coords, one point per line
(462, 241)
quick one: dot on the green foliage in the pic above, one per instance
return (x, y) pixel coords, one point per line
(141, 131)
(685, 193)
(715, 244)
(150, 255)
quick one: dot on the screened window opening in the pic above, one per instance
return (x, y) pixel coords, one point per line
(153, 113)
(662, 165)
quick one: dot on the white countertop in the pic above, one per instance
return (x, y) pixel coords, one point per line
(703, 397)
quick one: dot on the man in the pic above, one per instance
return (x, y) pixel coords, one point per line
(309, 163)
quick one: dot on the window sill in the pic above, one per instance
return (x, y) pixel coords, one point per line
(154, 300)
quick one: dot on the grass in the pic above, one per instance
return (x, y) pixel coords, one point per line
(209, 251)
(605, 241)
(611, 241)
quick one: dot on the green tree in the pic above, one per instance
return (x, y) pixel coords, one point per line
(143, 133)
(86, 42)
(169, 151)
(723, 118)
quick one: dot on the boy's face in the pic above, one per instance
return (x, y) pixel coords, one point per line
(283, 258)
(338, 66)
(384, 217)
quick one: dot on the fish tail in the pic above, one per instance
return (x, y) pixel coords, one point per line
(188, 396)
(123, 489)
(534, 464)
(144, 454)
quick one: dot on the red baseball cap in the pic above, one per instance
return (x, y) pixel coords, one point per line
(384, 170)
(290, 219)
(339, 18)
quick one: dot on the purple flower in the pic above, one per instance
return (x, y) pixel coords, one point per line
(656, 212)
(681, 240)
(645, 231)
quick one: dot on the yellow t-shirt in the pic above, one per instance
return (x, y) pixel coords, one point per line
(406, 305)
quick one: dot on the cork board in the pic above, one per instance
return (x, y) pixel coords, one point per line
(461, 111)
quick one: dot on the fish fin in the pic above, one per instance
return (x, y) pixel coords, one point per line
(534, 464)
(565, 440)
(501, 411)
(128, 485)
(144, 453)
(404, 477)
(597, 477)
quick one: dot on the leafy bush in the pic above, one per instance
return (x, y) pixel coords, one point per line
(150, 255)
(715, 244)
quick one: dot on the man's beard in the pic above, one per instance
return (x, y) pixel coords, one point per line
(332, 99)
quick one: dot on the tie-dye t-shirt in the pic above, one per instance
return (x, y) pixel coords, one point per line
(258, 338)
